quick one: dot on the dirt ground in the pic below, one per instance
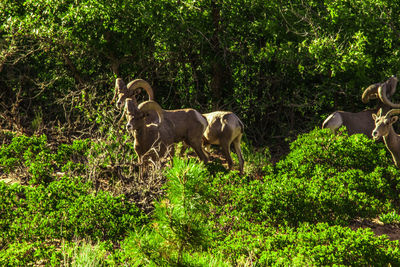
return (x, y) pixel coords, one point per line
(379, 228)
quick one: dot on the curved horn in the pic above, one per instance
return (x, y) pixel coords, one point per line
(152, 105)
(140, 83)
(392, 112)
(370, 93)
(383, 96)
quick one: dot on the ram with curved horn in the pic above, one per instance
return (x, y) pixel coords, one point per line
(384, 128)
(174, 126)
(361, 122)
(123, 91)
(224, 127)
(148, 144)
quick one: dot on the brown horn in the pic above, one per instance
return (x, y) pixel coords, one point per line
(152, 105)
(140, 83)
(392, 112)
(370, 93)
(383, 96)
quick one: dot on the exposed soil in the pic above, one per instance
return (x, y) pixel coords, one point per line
(379, 228)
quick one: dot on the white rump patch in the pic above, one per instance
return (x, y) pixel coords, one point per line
(333, 122)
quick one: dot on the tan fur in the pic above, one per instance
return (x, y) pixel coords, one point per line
(225, 128)
(173, 126)
(220, 128)
(384, 128)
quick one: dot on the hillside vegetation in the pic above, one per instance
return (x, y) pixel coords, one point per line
(70, 192)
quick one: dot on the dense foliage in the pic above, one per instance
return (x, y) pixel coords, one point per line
(271, 62)
(297, 211)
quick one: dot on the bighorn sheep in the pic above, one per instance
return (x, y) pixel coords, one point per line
(148, 144)
(384, 128)
(361, 122)
(224, 128)
(174, 126)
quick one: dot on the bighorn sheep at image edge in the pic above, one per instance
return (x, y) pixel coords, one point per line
(362, 122)
(384, 128)
(187, 125)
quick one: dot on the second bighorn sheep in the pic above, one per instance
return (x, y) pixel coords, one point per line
(224, 127)
(174, 126)
(384, 128)
(362, 122)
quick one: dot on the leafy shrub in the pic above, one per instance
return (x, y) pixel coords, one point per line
(390, 217)
(20, 149)
(34, 155)
(340, 152)
(312, 185)
(205, 213)
(318, 245)
(64, 209)
(25, 253)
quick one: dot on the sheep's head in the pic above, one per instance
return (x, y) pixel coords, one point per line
(383, 123)
(121, 91)
(135, 118)
(131, 90)
(136, 115)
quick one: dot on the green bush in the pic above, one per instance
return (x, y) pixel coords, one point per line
(311, 184)
(318, 245)
(295, 214)
(25, 253)
(390, 217)
(340, 152)
(63, 210)
(34, 155)
(22, 148)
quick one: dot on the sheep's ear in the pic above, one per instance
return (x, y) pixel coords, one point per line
(374, 116)
(394, 119)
